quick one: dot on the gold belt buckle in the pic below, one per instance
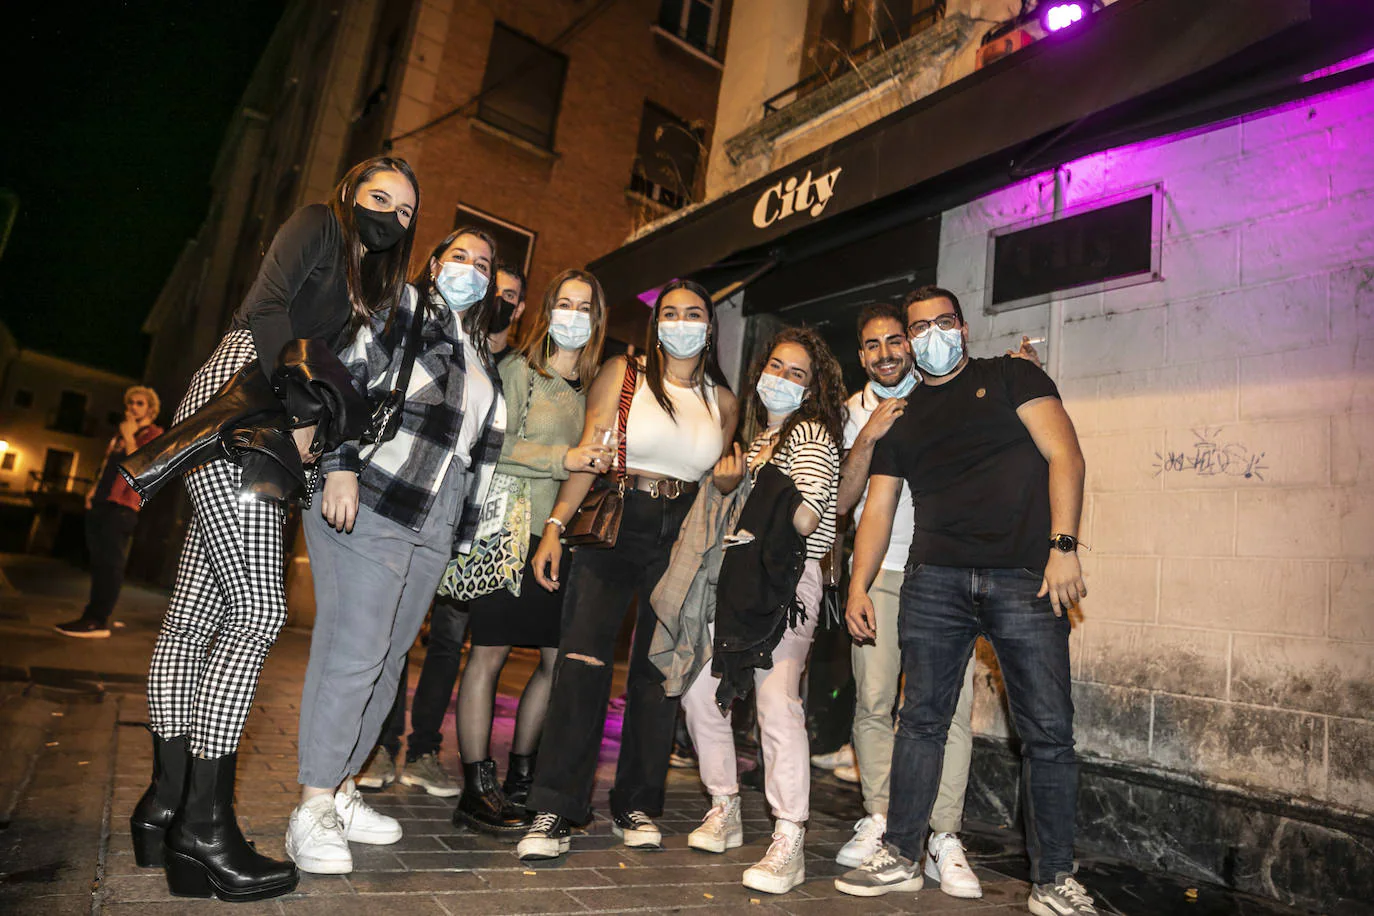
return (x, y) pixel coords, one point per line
(667, 488)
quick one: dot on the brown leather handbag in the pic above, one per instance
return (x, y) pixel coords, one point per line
(597, 521)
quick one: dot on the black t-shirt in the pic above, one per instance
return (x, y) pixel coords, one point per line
(979, 486)
(301, 289)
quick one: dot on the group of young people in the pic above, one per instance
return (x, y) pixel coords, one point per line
(393, 523)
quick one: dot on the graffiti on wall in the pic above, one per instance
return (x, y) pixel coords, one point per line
(1212, 456)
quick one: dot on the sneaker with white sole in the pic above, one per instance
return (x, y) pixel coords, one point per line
(549, 838)
(885, 872)
(722, 828)
(839, 758)
(379, 771)
(784, 865)
(427, 773)
(637, 830)
(361, 822)
(947, 864)
(315, 838)
(1065, 897)
(867, 839)
(84, 628)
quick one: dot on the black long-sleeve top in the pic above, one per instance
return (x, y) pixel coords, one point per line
(301, 288)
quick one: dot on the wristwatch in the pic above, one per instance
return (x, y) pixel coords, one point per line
(1065, 542)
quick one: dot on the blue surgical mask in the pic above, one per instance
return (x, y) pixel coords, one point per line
(570, 328)
(461, 285)
(937, 351)
(683, 339)
(779, 395)
(899, 390)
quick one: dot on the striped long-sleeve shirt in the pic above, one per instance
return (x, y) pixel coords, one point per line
(812, 459)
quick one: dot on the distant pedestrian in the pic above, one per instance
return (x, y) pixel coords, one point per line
(111, 515)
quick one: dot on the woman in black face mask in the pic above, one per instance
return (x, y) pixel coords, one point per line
(329, 266)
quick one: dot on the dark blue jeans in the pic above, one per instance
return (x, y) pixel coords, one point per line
(943, 610)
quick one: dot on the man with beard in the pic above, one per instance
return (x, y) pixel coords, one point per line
(885, 354)
(995, 473)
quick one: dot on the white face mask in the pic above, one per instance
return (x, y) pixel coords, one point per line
(460, 285)
(683, 339)
(781, 396)
(569, 328)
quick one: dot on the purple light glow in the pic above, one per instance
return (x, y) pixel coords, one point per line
(1062, 15)
(1350, 63)
(650, 296)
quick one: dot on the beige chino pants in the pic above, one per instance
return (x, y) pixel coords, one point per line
(877, 673)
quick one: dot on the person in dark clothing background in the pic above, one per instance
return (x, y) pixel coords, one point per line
(111, 515)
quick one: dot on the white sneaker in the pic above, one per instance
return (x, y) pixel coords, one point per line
(784, 866)
(846, 774)
(947, 864)
(868, 839)
(315, 839)
(721, 828)
(843, 757)
(361, 822)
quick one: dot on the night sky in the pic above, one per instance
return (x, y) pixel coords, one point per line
(112, 116)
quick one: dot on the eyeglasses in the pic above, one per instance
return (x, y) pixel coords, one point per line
(946, 322)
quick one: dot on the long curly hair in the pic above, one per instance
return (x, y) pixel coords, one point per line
(825, 399)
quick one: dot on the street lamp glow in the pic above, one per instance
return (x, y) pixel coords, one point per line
(4, 446)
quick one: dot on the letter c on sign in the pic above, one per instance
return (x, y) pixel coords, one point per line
(762, 217)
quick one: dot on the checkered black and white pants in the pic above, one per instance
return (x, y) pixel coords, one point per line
(229, 601)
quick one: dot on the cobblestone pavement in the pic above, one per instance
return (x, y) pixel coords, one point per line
(65, 848)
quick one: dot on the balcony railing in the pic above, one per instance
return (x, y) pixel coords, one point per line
(41, 483)
(851, 60)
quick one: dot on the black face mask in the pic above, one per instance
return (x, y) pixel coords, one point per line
(379, 231)
(505, 311)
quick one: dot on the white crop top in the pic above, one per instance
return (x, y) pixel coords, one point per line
(685, 448)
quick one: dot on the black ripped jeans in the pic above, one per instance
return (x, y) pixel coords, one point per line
(600, 586)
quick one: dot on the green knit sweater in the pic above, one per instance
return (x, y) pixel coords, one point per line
(556, 414)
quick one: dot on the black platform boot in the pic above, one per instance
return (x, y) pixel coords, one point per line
(152, 814)
(483, 805)
(206, 853)
(519, 779)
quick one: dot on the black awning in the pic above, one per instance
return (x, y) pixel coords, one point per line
(1138, 66)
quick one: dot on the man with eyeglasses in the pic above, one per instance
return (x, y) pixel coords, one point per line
(996, 479)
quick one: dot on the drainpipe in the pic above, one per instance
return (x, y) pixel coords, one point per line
(1054, 334)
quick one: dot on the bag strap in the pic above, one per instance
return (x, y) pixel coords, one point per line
(529, 401)
(627, 396)
(412, 345)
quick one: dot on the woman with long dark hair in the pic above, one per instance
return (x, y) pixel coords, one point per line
(545, 384)
(329, 266)
(798, 412)
(679, 420)
(390, 516)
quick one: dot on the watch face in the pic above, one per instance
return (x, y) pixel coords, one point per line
(1064, 542)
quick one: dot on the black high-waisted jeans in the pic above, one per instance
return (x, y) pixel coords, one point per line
(599, 587)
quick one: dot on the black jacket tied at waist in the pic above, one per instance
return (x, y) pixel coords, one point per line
(756, 595)
(249, 422)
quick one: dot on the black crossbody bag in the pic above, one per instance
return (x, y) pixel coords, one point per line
(386, 413)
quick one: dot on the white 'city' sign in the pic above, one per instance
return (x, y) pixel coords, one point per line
(793, 196)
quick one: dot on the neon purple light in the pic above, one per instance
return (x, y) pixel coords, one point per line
(1062, 15)
(650, 296)
(1350, 63)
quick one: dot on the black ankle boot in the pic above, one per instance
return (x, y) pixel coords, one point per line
(206, 853)
(152, 814)
(483, 805)
(519, 779)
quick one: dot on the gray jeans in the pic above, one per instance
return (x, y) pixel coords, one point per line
(373, 587)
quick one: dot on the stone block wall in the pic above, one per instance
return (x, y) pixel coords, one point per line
(1226, 412)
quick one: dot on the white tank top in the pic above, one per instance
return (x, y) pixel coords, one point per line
(685, 448)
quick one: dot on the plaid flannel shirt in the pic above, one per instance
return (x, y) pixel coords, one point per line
(402, 476)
